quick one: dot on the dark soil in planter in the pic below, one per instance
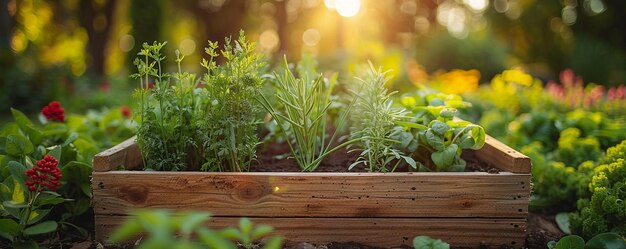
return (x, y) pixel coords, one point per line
(273, 157)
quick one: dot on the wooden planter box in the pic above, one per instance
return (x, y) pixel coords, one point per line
(465, 209)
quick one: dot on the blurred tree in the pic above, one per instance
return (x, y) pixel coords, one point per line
(146, 18)
(97, 17)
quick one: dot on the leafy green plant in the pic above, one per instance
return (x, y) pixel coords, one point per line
(600, 241)
(373, 120)
(433, 136)
(303, 109)
(229, 127)
(23, 142)
(425, 242)
(185, 230)
(167, 128)
(605, 209)
(28, 196)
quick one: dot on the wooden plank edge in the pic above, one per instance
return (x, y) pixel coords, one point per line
(503, 157)
(126, 154)
(379, 232)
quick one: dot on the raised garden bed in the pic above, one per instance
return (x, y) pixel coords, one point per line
(465, 209)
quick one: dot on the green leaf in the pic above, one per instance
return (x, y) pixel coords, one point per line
(214, 240)
(230, 233)
(562, 220)
(41, 228)
(443, 159)
(434, 141)
(410, 161)
(606, 241)
(245, 225)
(191, 221)
(54, 129)
(439, 127)
(18, 195)
(37, 215)
(570, 242)
(274, 243)
(411, 125)
(9, 226)
(18, 171)
(55, 152)
(425, 242)
(27, 126)
(127, 230)
(261, 231)
(18, 145)
(71, 138)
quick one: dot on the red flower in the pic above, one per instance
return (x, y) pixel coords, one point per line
(126, 111)
(104, 86)
(45, 175)
(54, 112)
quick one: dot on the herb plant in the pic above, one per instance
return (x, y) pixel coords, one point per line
(303, 110)
(433, 136)
(229, 128)
(212, 126)
(185, 230)
(373, 120)
(167, 128)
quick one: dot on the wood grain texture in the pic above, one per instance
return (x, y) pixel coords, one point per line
(501, 156)
(381, 232)
(126, 154)
(272, 194)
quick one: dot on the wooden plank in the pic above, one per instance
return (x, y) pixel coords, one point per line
(501, 156)
(272, 194)
(381, 232)
(126, 154)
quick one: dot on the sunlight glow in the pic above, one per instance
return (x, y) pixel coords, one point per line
(347, 8)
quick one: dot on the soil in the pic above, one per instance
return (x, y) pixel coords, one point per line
(274, 157)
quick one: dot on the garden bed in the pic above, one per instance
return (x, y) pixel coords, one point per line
(465, 209)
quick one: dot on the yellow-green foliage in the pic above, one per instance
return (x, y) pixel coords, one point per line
(605, 210)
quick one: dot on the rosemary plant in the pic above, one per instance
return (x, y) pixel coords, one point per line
(303, 107)
(373, 121)
(229, 128)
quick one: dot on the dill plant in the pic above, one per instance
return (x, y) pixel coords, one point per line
(301, 112)
(167, 131)
(229, 128)
(373, 121)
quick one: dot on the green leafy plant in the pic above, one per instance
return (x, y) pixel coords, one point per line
(605, 209)
(425, 242)
(433, 136)
(373, 118)
(23, 142)
(28, 196)
(600, 241)
(303, 110)
(185, 230)
(167, 128)
(229, 127)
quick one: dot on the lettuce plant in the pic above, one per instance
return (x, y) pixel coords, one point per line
(433, 136)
